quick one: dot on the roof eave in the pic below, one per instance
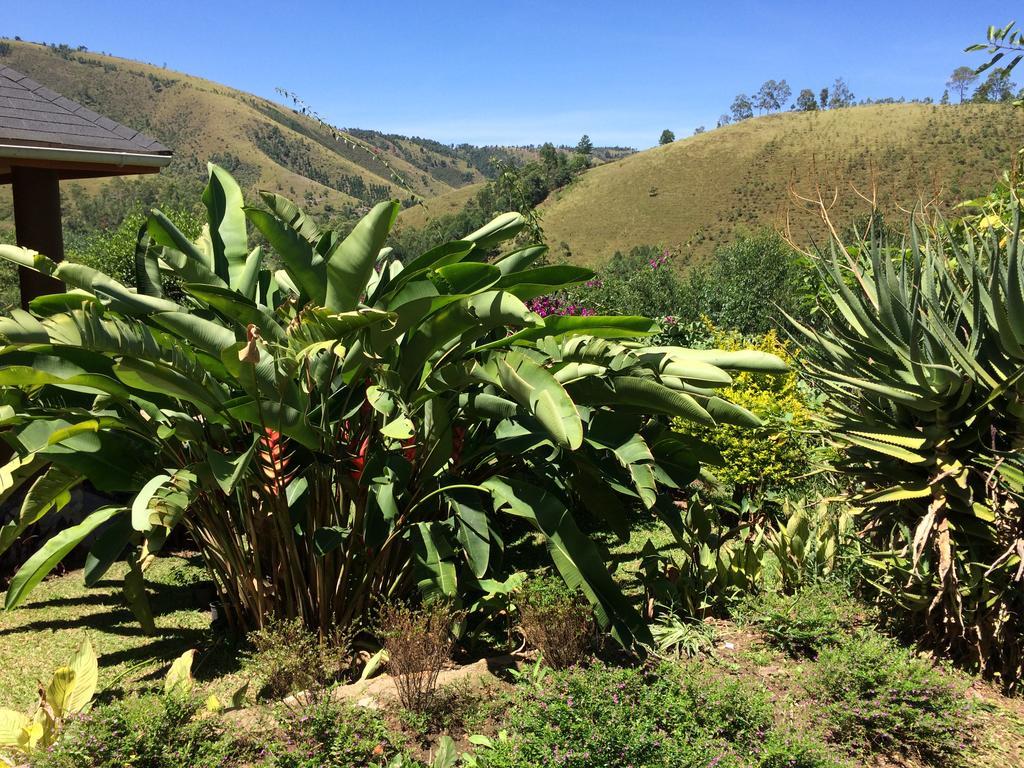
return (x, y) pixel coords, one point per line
(98, 157)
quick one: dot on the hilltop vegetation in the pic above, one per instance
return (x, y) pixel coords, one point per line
(263, 144)
(701, 192)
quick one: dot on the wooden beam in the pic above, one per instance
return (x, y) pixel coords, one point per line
(37, 225)
(66, 170)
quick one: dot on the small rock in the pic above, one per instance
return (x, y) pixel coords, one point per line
(368, 702)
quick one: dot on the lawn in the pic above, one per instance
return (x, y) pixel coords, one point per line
(44, 632)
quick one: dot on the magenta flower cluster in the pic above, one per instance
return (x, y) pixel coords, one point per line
(555, 304)
(662, 260)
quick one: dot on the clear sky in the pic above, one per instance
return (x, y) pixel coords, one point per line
(526, 72)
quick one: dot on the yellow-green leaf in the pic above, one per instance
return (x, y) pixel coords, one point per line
(60, 690)
(179, 676)
(86, 668)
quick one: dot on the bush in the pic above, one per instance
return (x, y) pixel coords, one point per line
(331, 735)
(779, 455)
(640, 282)
(113, 252)
(343, 430)
(556, 621)
(880, 698)
(419, 644)
(287, 658)
(671, 716)
(804, 623)
(750, 283)
(146, 732)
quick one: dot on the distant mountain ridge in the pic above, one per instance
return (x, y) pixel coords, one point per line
(264, 144)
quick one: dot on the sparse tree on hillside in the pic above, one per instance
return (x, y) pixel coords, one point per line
(961, 81)
(699, 129)
(806, 102)
(667, 137)
(783, 93)
(585, 146)
(723, 120)
(741, 108)
(772, 96)
(823, 98)
(945, 97)
(996, 87)
(841, 95)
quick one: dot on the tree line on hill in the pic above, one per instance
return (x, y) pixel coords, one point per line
(997, 87)
(773, 96)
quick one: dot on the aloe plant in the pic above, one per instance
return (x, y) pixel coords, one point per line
(921, 354)
(344, 429)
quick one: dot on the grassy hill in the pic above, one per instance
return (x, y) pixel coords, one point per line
(700, 192)
(418, 216)
(266, 145)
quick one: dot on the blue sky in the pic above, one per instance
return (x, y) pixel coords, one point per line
(527, 72)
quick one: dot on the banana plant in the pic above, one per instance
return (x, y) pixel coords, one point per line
(921, 355)
(334, 427)
(69, 692)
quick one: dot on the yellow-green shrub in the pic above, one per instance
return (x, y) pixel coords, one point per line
(777, 454)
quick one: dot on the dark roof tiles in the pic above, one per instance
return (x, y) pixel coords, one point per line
(34, 116)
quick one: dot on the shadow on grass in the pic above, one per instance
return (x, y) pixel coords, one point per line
(164, 599)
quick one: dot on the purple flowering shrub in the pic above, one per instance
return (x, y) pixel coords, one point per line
(642, 282)
(559, 304)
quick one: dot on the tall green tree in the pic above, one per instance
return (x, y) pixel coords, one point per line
(585, 146)
(806, 101)
(772, 96)
(667, 137)
(996, 88)
(741, 108)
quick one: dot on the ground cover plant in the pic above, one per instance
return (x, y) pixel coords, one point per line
(668, 716)
(818, 616)
(879, 697)
(346, 428)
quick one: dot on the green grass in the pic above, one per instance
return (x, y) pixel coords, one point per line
(44, 632)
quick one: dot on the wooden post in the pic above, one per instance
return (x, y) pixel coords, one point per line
(38, 226)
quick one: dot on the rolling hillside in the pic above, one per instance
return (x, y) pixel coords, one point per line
(699, 192)
(263, 143)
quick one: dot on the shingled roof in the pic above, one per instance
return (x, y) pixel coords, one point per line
(34, 118)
